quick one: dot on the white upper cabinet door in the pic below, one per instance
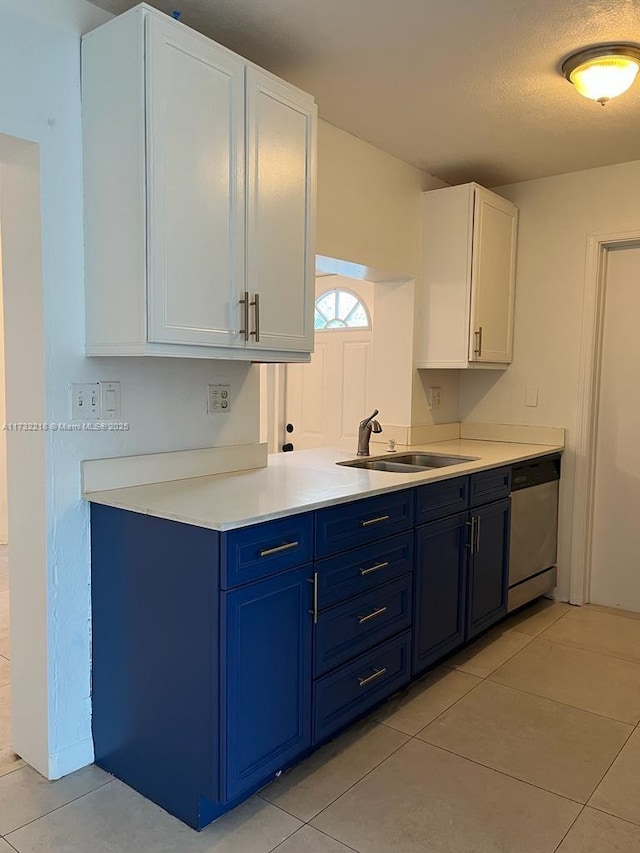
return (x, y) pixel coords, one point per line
(281, 167)
(492, 278)
(195, 185)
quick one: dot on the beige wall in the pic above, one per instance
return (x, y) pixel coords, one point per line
(369, 213)
(368, 204)
(556, 216)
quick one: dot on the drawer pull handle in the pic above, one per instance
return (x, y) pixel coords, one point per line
(268, 552)
(378, 612)
(376, 674)
(376, 568)
(375, 520)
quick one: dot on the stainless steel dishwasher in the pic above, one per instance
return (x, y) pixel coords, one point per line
(534, 529)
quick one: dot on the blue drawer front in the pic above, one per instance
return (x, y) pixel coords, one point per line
(488, 486)
(350, 691)
(438, 500)
(355, 572)
(345, 631)
(350, 525)
(255, 552)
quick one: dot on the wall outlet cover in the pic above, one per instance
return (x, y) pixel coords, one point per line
(85, 401)
(219, 398)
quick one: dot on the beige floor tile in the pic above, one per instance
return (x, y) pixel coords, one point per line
(619, 791)
(614, 611)
(314, 783)
(415, 708)
(307, 840)
(593, 682)
(4, 671)
(115, 819)
(537, 617)
(561, 749)
(595, 832)
(5, 848)
(424, 799)
(6, 752)
(485, 655)
(599, 632)
(26, 795)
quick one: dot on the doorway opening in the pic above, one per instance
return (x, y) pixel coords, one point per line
(24, 706)
(326, 399)
(594, 370)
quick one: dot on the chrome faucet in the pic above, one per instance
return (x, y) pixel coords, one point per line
(367, 426)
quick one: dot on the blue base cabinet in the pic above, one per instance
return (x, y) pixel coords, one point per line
(488, 567)
(221, 659)
(266, 633)
(440, 589)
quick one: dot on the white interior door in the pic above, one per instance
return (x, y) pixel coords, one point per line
(615, 564)
(327, 399)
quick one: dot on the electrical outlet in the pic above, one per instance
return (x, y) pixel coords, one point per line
(85, 401)
(435, 397)
(219, 398)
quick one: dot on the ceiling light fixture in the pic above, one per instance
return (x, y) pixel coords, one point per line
(604, 71)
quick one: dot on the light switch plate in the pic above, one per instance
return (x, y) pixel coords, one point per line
(531, 397)
(85, 401)
(110, 399)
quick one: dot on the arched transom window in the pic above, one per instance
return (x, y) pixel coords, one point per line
(340, 309)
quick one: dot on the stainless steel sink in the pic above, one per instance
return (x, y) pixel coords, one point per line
(409, 463)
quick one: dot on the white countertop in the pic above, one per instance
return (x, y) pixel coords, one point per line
(300, 482)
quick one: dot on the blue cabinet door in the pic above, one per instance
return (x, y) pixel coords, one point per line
(488, 567)
(266, 632)
(440, 583)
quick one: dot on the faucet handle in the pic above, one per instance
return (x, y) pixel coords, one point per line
(370, 418)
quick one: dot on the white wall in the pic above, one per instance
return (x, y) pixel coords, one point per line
(163, 400)
(368, 204)
(4, 518)
(556, 216)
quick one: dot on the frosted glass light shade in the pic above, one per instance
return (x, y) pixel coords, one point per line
(603, 73)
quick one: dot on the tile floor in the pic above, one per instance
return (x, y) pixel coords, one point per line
(528, 742)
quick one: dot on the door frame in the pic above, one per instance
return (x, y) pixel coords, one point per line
(598, 246)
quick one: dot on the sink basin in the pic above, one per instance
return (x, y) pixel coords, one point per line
(408, 463)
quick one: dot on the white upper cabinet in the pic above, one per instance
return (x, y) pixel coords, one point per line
(467, 286)
(199, 198)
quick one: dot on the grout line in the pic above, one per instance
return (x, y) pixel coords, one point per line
(612, 814)
(564, 704)
(606, 772)
(573, 823)
(500, 772)
(57, 808)
(567, 645)
(362, 778)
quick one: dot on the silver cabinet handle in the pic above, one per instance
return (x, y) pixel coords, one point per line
(377, 673)
(268, 552)
(314, 612)
(372, 615)
(245, 315)
(376, 568)
(375, 520)
(256, 313)
(478, 344)
(472, 535)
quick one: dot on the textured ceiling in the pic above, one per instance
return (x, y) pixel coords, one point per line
(465, 89)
